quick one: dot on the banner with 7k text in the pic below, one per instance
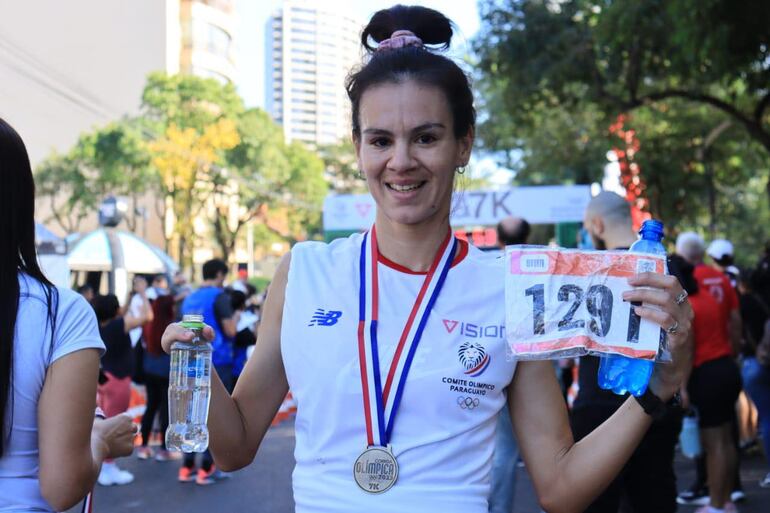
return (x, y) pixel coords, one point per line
(563, 303)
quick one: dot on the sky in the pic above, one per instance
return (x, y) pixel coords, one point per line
(253, 16)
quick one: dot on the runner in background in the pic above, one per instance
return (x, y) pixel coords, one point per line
(211, 301)
(712, 388)
(692, 248)
(156, 370)
(117, 363)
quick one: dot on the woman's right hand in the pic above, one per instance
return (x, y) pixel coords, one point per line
(115, 434)
(175, 332)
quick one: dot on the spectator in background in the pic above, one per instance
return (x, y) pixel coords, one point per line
(136, 303)
(754, 314)
(510, 231)
(87, 291)
(247, 330)
(692, 248)
(114, 395)
(712, 388)
(756, 373)
(211, 301)
(180, 289)
(156, 368)
(651, 467)
(721, 251)
(242, 283)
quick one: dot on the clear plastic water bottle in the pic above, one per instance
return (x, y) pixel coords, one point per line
(189, 391)
(620, 373)
(689, 437)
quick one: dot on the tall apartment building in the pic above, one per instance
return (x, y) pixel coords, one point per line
(69, 66)
(310, 51)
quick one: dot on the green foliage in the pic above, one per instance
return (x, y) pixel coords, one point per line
(341, 167)
(692, 74)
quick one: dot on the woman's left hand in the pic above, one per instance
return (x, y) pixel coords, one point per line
(660, 297)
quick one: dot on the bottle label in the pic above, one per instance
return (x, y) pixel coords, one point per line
(564, 303)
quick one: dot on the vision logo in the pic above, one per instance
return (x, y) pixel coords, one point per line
(474, 358)
(323, 317)
(470, 330)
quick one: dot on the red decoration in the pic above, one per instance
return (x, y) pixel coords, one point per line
(630, 171)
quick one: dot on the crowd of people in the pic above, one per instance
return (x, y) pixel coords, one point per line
(134, 357)
(360, 330)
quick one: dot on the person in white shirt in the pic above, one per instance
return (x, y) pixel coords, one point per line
(392, 341)
(51, 447)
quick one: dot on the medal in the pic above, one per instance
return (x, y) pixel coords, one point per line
(376, 469)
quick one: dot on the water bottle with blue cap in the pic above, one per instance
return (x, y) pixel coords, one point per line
(620, 373)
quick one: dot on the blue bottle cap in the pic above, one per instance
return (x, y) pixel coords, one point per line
(652, 229)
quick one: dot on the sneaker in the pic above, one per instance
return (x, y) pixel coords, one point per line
(205, 478)
(765, 483)
(737, 496)
(110, 475)
(164, 455)
(123, 477)
(144, 453)
(219, 475)
(186, 475)
(694, 497)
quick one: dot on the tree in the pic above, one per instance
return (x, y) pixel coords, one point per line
(116, 160)
(341, 168)
(187, 160)
(191, 123)
(622, 55)
(60, 181)
(263, 177)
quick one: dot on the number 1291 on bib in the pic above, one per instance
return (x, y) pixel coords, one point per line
(563, 303)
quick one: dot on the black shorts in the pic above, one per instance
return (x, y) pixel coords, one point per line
(713, 389)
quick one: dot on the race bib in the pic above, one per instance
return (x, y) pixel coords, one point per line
(563, 303)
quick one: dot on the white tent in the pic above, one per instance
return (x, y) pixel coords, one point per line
(120, 255)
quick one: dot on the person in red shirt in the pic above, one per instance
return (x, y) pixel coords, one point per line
(713, 386)
(691, 247)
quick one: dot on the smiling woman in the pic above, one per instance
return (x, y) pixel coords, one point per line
(398, 394)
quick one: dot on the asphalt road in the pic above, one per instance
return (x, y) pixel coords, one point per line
(265, 486)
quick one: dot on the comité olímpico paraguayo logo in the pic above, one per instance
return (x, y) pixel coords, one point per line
(472, 354)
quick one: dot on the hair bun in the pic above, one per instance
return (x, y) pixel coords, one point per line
(431, 26)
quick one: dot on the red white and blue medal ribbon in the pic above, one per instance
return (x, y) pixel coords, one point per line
(381, 402)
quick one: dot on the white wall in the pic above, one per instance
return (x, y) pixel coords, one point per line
(66, 66)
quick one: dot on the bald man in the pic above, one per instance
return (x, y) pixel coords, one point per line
(648, 479)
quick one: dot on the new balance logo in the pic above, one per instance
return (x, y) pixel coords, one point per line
(323, 317)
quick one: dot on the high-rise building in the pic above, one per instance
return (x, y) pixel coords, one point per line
(310, 51)
(69, 66)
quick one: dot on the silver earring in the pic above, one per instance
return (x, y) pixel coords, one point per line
(460, 170)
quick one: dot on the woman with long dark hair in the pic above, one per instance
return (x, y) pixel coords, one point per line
(379, 335)
(51, 447)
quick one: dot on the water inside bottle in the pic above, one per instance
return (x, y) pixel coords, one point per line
(189, 395)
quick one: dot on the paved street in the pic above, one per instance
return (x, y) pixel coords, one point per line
(265, 486)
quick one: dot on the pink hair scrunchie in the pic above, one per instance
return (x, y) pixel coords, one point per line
(400, 39)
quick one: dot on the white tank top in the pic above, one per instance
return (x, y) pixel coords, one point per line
(443, 436)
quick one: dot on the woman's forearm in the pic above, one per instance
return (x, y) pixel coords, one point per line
(591, 464)
(227, 430)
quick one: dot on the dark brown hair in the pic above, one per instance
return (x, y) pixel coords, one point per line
(413, 63)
